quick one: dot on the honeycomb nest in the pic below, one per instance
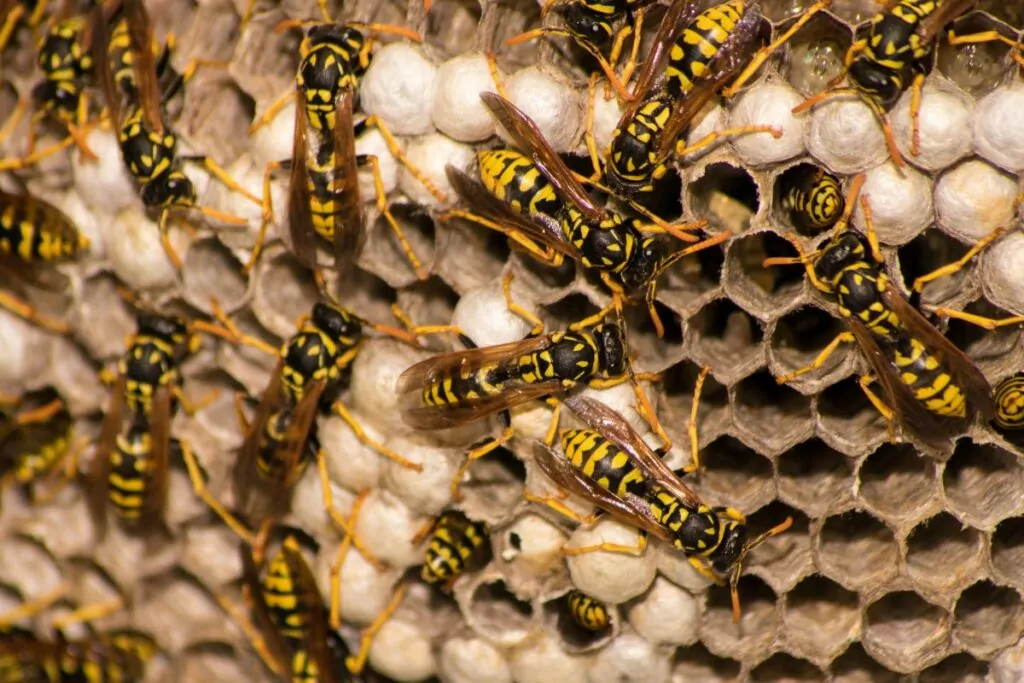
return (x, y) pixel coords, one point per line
(897, 563)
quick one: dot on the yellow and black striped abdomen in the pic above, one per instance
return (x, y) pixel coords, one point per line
(287, 604)
(489, 380)
(691, 54)
(148, 154)
(927, 378)
(603, 462)
(586, 612)
(1009, 400)
(131, 473)
(813, 199)
(270, 465)
(455, 540)
(633, 159)
(515, 180)
(34, 231)
(893, 40)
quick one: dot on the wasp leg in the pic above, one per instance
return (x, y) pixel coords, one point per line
(979, 320)
(196, 476)
(92, 612)
(24, 104)
(413, 329)
(34, 606)
(218, 172)
(382, 206)
(698, 388)
(916, 88)
(544, 254)
(40, 414)
(528, 316)
(588, 136)
(637, 549)
(272, 111)
(556, 504)
(556, 412)
(701, 568)
(11, 22)
(885, 411)
(355, 663)
(988, 37)
(957, 265)
(762, 56)
(347, 526)
(231, 332)
(38, 155)
(250, 632)
(350, 540)
(63, 474)
(475, 454)
(397, 152)
(683, 149)
(817, 363)
(341, 411)
(614, 306)
(23, 309)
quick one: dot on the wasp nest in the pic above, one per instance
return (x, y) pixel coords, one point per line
(896, 563)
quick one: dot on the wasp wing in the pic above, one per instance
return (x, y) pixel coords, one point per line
(632, 510)
(140, 34)
(316, 629)
(160, 453)
(652, 73)
(100, 37)
(349, 231)
(300, 217)
(942, 15)
(612, 426)
(245, 469)
(530, 140)
(98, 475)
(276, 646)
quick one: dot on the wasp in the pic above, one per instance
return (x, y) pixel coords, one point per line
(609, 464)
(460, 387)
(323, 195)
(148, 146)
(812, 198)
(537, 202)
(456, 543)
(1009, 406)
(930, 386)
(891, 58)
(33, 236)
(587, 612)
(134, 449)
(118, 656)
(35, 441)
(28, 13)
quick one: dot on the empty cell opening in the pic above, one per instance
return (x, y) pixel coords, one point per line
(1009, 12)
(496, 482)
(757, 602)
(977, 68)
(665, 200)
(984, 482)
(499, 614)
(540, 275)
(1008, 550)
(942, 549)
(857, 550)
(726, 196)
(903, 621)
(564, 312)
(726, 334)
(212, 271)
(775, 412)
(988, 617)
(800, 337)
(733, 472)
(846, 412)
(897, 482)
(678, 383)
(816, 54)
(821, 613)
(928, 251)
(286, 287)
(761, 288)
(642, 332)
(695, 664)
(785, 667)
(693, 276)
(782, 558)
(856, 666)
(814, 477)
(958, 668)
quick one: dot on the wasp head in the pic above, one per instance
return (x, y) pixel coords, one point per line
(644, 266)
(170, 189)
(337, 322)
(57, 99)
(588, 26)
(843, 250)
(165, 327)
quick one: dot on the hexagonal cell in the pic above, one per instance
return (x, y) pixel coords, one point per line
(983, 483)
(723, 336)
(820, 617)
(1008, 551)
(815, 478)
(958, 668)
(456, 237)
(696, 664)
(692, 280)
(979, 344)
(856, 666)
(735, 474)
(770, 416)
(976, 68)
(211, 271)
(1009, 13)
(758, 625)
(763, 291)
(857, 550)
(651, 352)
(942, 554)
(928, 251)
(726, 195)
(848, 420)
(799, 177)
(987, 618)
(799, 338)
(783, 559)
(713, 412)
(784, 667)
(816, 54)
(898, 483)
(904, 632)
(497, 613)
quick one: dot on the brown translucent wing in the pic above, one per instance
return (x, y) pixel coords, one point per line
(140, 33)
(912, 415)
(413, 381)
(100, 34)
(245, 465)
(293, 446)
(275, 644)
(300, 218)
(348, 218)
(160, 452)
(316, 624)
(946, 12)
(544, 232)
(632, 510)
(612, 426)
(98, 476)
(964, 372)
(531, 141)
(679, 14)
